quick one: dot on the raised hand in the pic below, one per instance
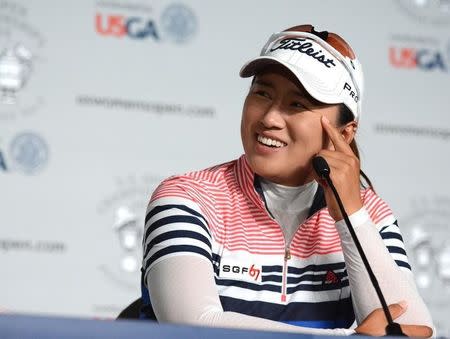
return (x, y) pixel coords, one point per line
(344, 172)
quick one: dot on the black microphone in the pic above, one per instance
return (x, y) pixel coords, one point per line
(323, 170)
(321, 167)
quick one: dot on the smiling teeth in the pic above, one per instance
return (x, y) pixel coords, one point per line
(270, 142)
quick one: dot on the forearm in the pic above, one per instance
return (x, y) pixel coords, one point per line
(182, 290)
(395, 283)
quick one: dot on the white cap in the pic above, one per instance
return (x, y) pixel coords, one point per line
(326, 74)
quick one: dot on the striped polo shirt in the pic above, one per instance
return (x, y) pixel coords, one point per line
(220, 214)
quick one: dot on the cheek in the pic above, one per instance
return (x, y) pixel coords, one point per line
(246, 120)
(309, 132)
(250, 115)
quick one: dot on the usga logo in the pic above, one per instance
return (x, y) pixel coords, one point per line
(119, 26)
(177, 23)
(417, 58)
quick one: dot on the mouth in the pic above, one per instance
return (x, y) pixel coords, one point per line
(270, 142)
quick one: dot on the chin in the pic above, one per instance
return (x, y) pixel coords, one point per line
(265, 168)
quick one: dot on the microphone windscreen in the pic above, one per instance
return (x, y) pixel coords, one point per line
(321, 166)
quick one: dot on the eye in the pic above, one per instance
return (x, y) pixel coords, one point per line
(297, 104)
(261, 93)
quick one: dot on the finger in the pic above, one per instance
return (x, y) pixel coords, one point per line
(417, 331)
(336, 137)
(327, 154)
(340, 162)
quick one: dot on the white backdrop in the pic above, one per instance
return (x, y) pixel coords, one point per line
(100, 100)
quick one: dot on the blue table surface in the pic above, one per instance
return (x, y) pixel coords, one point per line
(37, 327)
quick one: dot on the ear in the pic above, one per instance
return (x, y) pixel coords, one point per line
(349, 130)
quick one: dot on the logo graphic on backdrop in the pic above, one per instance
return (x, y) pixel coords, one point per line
(176, 23)
(419, 53)
(123, 212)
(21, 47)
(28, 153)
(427, 235)
(15, 69)
(179, 23)
(429, 11)
(129, 233)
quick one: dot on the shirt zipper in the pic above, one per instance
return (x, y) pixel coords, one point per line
(287, 251)
(287, 256)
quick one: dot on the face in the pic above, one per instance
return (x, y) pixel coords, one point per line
(281, 129)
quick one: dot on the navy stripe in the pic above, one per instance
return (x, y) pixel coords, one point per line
(161, 208)
(175, 219)
(403, 264)
(315, 268)
(391, 235)
(395, 223)
(247, 285)
(314, 277)
(320, 287)
(216, 257)
(340, 311)
(275, 268)
(309, 268)
(395, 249)
(176, 234)
(271, 277)
(176, 249)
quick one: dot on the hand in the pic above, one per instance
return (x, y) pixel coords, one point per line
(344, 173)
(375, 323)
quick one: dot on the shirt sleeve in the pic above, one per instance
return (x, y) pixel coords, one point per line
(381, 240)
(175, 225)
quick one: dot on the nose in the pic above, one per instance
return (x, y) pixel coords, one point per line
(273, 117)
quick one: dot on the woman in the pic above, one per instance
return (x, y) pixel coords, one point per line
(259, 242)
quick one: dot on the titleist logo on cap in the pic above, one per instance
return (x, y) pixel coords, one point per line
(299, 44)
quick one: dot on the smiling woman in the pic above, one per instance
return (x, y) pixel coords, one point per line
(259, 242)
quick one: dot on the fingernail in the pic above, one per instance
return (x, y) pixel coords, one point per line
(325, 119)
(403, 304)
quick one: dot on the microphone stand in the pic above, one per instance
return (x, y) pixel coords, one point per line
(323, 170)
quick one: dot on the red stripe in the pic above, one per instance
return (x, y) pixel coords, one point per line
(237, 218)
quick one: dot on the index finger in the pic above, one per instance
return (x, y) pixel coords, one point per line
(417, 331)
(336, 137)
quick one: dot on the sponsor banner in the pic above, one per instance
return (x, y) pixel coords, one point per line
(98, 106)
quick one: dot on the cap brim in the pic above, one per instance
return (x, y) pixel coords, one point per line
(255, 65)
